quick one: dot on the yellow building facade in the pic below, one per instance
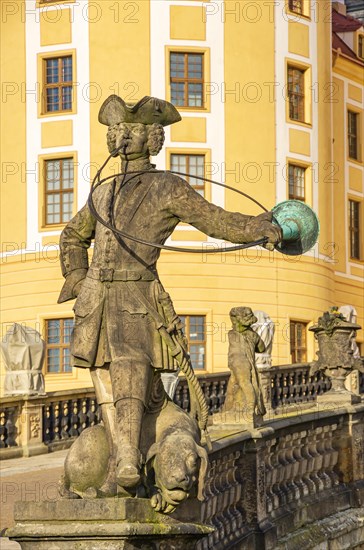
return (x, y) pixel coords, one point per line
(264, 109)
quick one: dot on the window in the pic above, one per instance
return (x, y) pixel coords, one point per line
(186, 76)
(296, 6)
(296, 182)
(57, 338)
(296, 93)
(361, 46)
(353, 134)
(57, 84)
(195, 332)
(298, 341)
(193, 165)
(354, 229)
(59, 180)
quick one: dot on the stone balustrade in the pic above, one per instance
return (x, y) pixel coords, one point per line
(291, 384)
(34, 424)
(265, 485)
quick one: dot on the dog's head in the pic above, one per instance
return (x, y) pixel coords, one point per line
(178, 462)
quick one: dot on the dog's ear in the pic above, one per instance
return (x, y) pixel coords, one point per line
(153, 450)
(203, 470)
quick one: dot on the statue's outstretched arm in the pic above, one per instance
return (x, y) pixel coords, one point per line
(75, 239)
(216, 222)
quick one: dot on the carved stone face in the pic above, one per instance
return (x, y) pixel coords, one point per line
(133, 139)
(178, 463)
(176, 468)
(242, 317)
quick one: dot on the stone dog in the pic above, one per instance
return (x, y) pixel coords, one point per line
(174, 461)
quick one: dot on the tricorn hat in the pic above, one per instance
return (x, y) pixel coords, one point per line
(146, 111)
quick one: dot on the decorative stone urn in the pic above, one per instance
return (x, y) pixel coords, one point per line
(335, 356)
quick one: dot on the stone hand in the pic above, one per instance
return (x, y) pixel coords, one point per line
(261, 226)
(159, 504)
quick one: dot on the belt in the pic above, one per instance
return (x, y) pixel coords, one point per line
(106, 274)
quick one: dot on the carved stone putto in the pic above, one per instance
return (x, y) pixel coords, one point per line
(244, 402)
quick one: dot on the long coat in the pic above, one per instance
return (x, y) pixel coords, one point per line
(110, 320)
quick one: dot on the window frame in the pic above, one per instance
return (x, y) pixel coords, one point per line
(42, 226)
(186, 332)
(208, 167)
(201, 185)
(60, 191)
(291, 8)
(186, 80)
(360, 46)
(41, 65)
(307, 70)
(307, 167)
(205, 52)
(355, 136)
(293, 196)
(306, 9)
(355, 230)
(59, 85)
(60, 346)
(301, 95)
(295, 349)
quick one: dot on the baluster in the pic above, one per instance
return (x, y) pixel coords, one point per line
(290, 394)
(238, 510)
(47, 424)
(82, 415)
(73, 430)
(91, 411)
(321, 435)
(221, 393)
(299, 386)
(2, 429)
(276, 477)
(209, 491)
(185, 398)
(65, 420)
(304, 386)
(214, 398)
(334, 455)
(10, 426)
(302, 464)
(281, 390)
(308, 463)
(269, 469)
(216, 519)
(292, 469)
(317, 460)
(285, 389)
(275, 390)
(55, 421)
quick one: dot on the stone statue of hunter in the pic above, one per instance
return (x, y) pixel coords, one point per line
(116, 333)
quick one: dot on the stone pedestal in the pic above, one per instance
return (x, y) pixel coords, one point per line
(101, 524)
(338, 398)
(31, 428)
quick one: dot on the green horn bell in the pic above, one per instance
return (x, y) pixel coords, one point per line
(300, 227)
